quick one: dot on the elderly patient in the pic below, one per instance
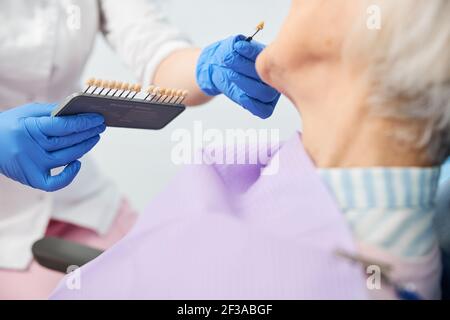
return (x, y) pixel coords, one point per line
(361, 177)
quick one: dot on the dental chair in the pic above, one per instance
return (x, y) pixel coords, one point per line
(60, 255)
(442, 225)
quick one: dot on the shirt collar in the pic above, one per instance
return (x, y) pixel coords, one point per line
(382, 187)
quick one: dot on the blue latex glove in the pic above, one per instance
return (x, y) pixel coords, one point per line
(228, 67)
(32, 143)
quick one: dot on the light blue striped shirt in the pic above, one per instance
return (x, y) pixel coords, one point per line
(391, 208)
(445, 171)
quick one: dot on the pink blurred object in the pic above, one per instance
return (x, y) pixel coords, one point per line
(38, 282)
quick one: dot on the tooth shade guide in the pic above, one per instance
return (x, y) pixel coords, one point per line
(142, 115)
(122, 90)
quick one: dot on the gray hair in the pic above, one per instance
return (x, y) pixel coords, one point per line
(409, 68)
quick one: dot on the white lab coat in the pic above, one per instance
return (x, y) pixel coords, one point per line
(43, 49)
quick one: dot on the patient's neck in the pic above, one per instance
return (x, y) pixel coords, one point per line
(340, 131)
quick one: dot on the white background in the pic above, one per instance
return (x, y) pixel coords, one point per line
(139, 161)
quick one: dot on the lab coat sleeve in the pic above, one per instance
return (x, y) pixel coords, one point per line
(141, 34)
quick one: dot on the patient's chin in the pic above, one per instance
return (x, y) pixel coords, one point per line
(267, 68)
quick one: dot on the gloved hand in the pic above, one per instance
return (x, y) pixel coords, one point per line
(32, 143)
(228, 67)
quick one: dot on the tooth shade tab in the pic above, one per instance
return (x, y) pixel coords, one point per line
(131, 89)
(111, 86)
(90, 82)
(163, 95)
(174, 96)
(136, 89)
(104, 85)
(184, 96)
(156, 94)
(260, 26)
(169, 95)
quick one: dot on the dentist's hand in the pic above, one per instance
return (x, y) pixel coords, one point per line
(32, 143)
(228, 67)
